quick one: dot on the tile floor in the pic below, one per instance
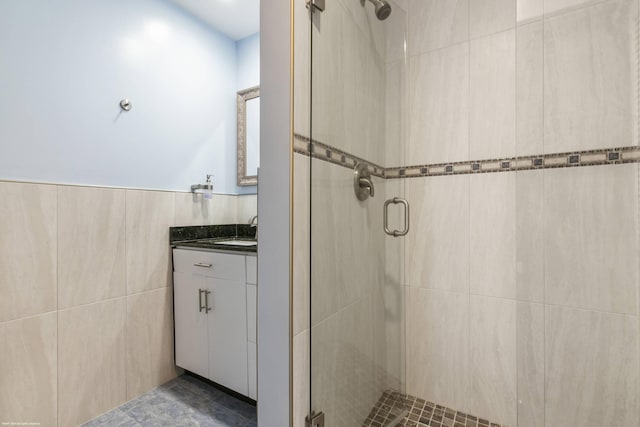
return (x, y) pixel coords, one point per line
(422, 413)
(185, 401)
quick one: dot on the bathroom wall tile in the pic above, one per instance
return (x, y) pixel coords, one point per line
(301, 242)
(396, 114)
(301, 72)
(529, 236)
(438, 346)
(324, 342)
(363, 274)
(357, 378)
(529, 90)
(493, 359)
(492, 104)
(434, 24)
(439, 102)
(28, 229)
(91, 245)
(301, 386)
(491, 16)
(597, 354)
(590, 237)
(527, 10)
(390, 314)
(363, 99)
(325, 245)
(339, 278)
(328, 83)
(530, 364)
(247, 207)
(395, 33)
(28, 368)
(149, 216)
(395, 248)
(149, 341)
(557, 7)
(493, 234)
(365, 21)
(590, 77)
(438, 245)
(91, 360)
(403, 4)
(225, 209)
(194, 209)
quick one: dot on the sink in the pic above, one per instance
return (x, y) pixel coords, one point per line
(238, 243)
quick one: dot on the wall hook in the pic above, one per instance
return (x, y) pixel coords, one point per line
(126, 105)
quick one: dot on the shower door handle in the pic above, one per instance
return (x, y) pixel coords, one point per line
(395, 201)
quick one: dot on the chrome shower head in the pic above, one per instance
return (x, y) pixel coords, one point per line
(383, 9)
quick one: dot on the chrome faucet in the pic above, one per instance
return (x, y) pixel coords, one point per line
(253, 222)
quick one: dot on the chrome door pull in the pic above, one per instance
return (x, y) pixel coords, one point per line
(202, 264)
(206, 301)
(395, 201)
(200, 291)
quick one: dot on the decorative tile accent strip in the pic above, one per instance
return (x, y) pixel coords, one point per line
(421, 413)
(605, 156)
(321, 151)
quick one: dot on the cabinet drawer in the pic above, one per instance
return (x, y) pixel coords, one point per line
(210, 264)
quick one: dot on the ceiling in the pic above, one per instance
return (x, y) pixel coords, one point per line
(235, 18)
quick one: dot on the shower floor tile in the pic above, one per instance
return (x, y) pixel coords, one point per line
(185, 401)
(421, 413)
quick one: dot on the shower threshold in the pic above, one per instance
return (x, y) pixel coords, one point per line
(398, 409)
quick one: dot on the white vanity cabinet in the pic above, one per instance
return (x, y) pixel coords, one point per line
(215, 317)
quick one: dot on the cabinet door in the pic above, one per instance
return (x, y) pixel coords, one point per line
(190, 323)
(252, 365)
(227, 328)
(252, 312)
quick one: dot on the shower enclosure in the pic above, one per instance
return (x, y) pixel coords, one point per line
(466, 213)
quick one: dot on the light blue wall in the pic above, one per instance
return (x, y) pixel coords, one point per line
(66, 65)
(248, 61)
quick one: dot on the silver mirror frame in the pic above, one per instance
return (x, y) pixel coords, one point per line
(242, 97)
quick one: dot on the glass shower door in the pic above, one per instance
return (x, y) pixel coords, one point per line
(357, 269)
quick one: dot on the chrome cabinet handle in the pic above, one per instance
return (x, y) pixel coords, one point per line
(202, 264)
(200, 291)
(395, 201)
(206, 301)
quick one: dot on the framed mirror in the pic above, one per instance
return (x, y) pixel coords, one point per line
(248, 136)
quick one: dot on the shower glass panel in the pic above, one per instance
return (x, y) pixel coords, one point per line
(511, 128)
(357, 318)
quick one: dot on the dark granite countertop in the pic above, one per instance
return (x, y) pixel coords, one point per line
(213, 237)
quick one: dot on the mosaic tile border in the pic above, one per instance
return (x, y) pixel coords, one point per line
(422, 413)
(305, 146)
(605, 156)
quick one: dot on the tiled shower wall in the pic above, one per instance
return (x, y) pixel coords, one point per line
(522, 305)
(352, 362)
(522, 287)
(86, 310)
